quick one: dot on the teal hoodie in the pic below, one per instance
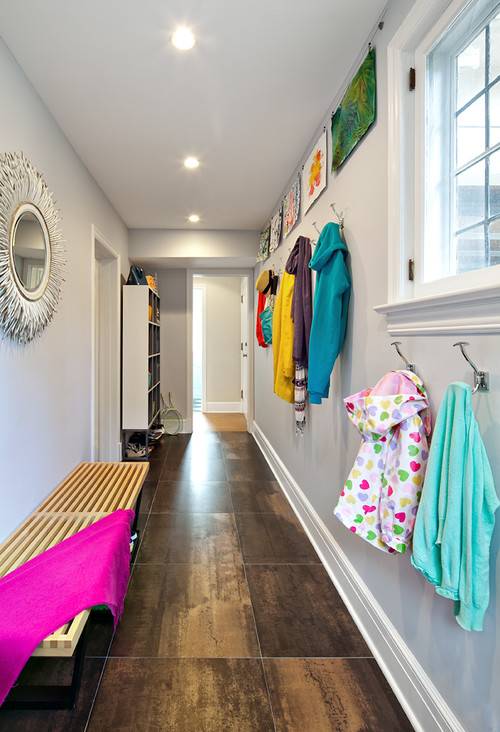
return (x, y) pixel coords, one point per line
(331, 303)
(456, 517)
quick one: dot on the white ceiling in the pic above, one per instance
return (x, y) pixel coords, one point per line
(246, 100)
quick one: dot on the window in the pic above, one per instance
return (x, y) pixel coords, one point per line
(462, 145)
(444, 170)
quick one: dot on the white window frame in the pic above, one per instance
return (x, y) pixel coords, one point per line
(465, 303)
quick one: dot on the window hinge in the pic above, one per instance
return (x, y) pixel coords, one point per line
(411, 270)
(412, 80)
(241, 393)
(241, 346)
(241, 299)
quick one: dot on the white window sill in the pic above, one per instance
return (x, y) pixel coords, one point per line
(468, 312)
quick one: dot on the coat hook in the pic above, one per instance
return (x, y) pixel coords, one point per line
(481, 378)
(316, 227)
(408, 365)
(340, 216)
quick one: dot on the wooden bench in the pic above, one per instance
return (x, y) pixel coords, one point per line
(89, 492)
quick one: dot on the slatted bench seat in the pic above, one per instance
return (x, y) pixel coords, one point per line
(89, 492)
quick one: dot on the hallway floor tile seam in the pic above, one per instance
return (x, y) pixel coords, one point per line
(266, 682)
(236, 658)
(132, 569)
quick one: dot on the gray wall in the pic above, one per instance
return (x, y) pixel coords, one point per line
(223, 338)
(463, 666)
(173, 303)
(45, 388)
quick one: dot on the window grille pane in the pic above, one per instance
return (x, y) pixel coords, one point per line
(494, 184)
(495, 242)
(495, 114)
(495, 47)
(469, 193)
(470, 70)
(470, 249)
(471, 132)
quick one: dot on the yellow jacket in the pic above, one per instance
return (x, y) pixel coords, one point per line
(284, 369)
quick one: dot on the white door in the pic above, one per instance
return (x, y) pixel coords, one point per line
(244, 344)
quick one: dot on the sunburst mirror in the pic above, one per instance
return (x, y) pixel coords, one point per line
(31, 250)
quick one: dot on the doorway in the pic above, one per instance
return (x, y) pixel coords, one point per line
(219, 351)
(105, 284)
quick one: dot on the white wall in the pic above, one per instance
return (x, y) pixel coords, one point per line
(463, 666)
(223, 338)
(199, 248)
(173, 334)
(45, 386)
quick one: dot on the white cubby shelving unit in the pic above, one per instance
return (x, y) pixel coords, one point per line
(141, 402)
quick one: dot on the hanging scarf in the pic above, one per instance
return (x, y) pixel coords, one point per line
(298, 265)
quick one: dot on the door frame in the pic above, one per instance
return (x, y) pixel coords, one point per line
(208, 272)
(100, 243)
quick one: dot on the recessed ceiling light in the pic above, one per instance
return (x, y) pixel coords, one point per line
(193, 219)
(183, 38)
(191, 163)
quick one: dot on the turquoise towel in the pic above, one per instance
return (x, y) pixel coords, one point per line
(456, 517)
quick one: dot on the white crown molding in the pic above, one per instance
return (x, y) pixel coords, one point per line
(468, 312)
(423, 703)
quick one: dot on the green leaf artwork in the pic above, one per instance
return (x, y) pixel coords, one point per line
(356, 112)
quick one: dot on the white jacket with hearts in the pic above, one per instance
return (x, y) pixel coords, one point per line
(379, 501)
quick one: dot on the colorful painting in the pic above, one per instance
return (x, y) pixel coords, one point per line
(314, 173)
(291, 207)
(356, 113)
(276, 223)
(263, 253)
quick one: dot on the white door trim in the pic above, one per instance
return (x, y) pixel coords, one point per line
(98, 238)
(243, 272)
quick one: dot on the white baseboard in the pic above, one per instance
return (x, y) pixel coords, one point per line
(426, 708)
(223, 407)
(187, 427)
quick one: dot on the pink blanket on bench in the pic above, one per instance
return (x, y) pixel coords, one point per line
(90, 568)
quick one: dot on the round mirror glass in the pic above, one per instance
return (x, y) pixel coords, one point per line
(29, 251)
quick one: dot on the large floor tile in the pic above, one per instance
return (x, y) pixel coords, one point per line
(194, 450)
(194, 470)
(182, 695)
(345, 695)
(258, 496)
(200, 496)
(55, 671)
(187, 610)
(253, 469)
(243, 451)
(191, 538)
(147, 495)
(299, 612)
(236, 438)
(273, 538)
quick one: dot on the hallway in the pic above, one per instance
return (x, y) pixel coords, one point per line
(230, 622)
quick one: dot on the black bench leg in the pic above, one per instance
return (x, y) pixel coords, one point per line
(135, 531)
(51, 697)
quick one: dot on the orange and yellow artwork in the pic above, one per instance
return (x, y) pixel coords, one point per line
(314, 173)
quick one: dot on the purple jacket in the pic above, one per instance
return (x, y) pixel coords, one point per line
(298, 265)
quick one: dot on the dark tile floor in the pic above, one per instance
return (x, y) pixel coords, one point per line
(231, 623)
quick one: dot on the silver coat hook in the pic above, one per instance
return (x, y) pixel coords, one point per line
(408, 365)
(481, 378)
(340, 216)
(316, 227)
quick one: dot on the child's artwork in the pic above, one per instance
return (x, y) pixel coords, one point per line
(356, 112)
(276, 222)
(314, 173)
(263, 253)
(291, 207)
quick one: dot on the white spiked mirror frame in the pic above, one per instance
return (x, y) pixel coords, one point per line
(25, 314)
